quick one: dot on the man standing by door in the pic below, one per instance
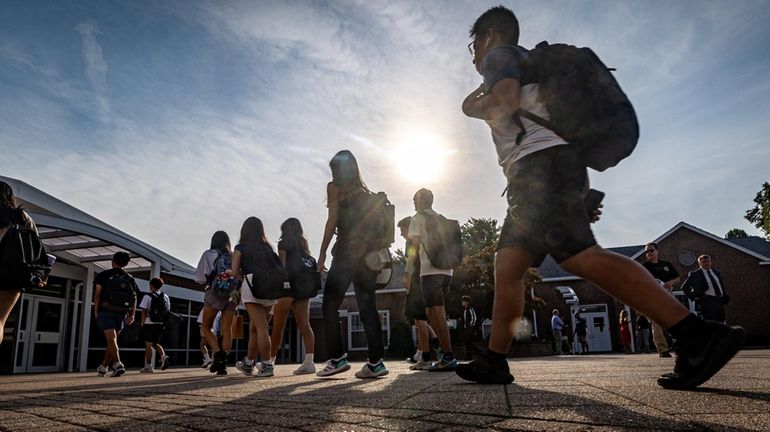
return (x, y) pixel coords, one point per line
(705, 287)
(664, 272)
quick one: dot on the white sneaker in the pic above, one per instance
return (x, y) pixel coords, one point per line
(305, 368)
(372, 371)
(420, 365)
(246, 369)
(146, 370)
(334, 367)
(265, 370)
(101, 370)
(207, 362)
(119, 370)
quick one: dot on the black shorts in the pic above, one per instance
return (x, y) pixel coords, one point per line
(152, 332)
(415, 304)
(546, 208)
(434, 289)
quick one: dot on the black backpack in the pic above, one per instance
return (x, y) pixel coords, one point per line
(373, 220)
(159, 309)
(443, 243)
(118, 292)
(269, 280)
(306, 282)
(586, 105)
(24, 263)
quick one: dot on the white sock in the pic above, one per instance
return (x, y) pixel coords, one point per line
(308, 358)
(248, 362)
(272, 360)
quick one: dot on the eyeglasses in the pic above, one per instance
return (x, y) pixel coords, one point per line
(470, 48)
(649, 251)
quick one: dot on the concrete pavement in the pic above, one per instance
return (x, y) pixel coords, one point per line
(600, 393)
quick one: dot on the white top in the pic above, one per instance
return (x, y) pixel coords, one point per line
(205, 266)
(147, 302)
(417, 228)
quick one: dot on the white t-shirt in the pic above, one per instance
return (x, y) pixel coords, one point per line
(417, 228)
(147, 302)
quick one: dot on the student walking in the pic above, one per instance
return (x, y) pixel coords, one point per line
(252, 254)
(547, 180)
(414, 307)
(155, 309)
(304, 280)
(346, 194)
(433, 281)
(114, 307)
(214, 270)
(581, 333)
(667, 276)
(13, 282)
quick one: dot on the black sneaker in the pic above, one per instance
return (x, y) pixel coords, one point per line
(220, 362)
(485, 370)
(698, 360)
(665, 354)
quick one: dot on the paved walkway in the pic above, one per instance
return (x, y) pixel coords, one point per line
(603, 392)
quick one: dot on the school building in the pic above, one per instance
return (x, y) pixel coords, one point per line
(53, 329)
(743, 262)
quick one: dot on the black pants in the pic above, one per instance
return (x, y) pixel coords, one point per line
(343, 271)
(712, 308)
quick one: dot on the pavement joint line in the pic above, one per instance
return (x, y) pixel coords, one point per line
(654, 408)
(508, 405)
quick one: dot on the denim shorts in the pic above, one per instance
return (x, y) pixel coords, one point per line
(108, 320)
(546, 209)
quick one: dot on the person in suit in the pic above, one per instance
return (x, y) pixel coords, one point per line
(704, 286)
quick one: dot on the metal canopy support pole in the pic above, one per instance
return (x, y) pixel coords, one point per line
(85, 331)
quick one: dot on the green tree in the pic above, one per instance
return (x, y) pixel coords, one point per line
(475, 276)
(736, 233)
(760, 214)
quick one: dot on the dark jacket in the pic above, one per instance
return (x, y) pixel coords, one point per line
(695, 286)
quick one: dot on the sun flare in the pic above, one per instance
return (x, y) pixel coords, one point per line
(420, 158)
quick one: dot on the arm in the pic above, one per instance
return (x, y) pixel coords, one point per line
(333, 200)
(143, 318)
(501, 102)
(97, 298)
(131, 312)
(235, 271)
(671, 284)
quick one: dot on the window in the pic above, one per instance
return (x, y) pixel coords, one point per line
(357, 336)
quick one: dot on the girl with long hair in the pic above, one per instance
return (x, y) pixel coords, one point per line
(10, 214)
(215, 261)
(292, 248)
(250, 250)
(349, 265)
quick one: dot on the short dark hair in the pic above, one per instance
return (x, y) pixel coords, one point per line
(500, 19)
(156, 283)
(405, 222)
(466, 298)
(121, 258)
(653, 244)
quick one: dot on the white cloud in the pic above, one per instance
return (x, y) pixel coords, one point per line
(96, 67)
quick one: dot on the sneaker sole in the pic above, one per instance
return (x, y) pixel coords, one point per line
(726, 350)
(497, 378)
(118, 373)
(247, 373)
(373, 375)
(334, 372)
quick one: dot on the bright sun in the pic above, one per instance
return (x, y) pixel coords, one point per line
(419, 158)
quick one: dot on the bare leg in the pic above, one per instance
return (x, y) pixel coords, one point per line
(280, 315)
(437, 317)
(301, 310)
(423, 344)
(112, 345)
(511, 265)
(209, 314)
(226, 325)
(148, 353)
(8, 300)
(629, 282)
(258, 315)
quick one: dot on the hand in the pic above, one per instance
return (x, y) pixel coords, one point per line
(596, 214)
(322, 263)
(235, 297)
(407, 283)
(130, 319)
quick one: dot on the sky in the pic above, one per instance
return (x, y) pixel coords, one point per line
(171, 120)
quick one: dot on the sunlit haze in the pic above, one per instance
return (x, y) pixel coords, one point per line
(171, 120)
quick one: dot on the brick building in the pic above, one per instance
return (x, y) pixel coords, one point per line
(745, 267)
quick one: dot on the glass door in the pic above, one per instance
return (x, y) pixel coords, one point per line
(45, 335)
